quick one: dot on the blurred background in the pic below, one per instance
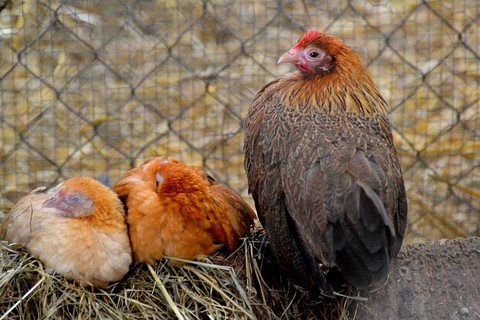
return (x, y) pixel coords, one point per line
(95, 87)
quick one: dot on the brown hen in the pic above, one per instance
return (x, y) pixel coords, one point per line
(322, 167)
(179, 211)
(77, 229)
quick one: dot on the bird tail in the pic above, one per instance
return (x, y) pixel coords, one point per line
(240, 214)
(364, 254)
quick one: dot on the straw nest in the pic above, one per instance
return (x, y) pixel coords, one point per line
(243, 285)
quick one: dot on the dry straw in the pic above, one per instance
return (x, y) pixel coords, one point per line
(243, 285)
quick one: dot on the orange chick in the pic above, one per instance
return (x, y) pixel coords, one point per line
(77, 229)
(179, 211)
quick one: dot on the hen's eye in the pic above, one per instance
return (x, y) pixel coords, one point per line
(313, 54)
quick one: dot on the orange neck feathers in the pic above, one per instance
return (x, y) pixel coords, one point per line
(347, 88)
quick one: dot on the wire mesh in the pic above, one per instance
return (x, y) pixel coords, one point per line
(94, 88)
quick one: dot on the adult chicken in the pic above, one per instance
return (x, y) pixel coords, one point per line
(322, 168)
(179, 211)
(77, 229)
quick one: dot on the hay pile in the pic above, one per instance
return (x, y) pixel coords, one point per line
(243, 285)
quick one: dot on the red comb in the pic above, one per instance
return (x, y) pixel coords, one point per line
(307, 37)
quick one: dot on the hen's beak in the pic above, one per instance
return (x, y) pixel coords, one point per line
(291, 56)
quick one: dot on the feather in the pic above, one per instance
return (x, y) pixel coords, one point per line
(179, 211)
(319, 150)
(77, 229)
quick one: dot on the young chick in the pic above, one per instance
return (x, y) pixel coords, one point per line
(179, 211)
(77, 229)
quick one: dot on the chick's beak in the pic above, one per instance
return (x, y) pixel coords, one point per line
(291, 56)
(56, 201)
(50, 203)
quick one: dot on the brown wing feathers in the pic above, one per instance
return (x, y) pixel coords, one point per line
(322, 167)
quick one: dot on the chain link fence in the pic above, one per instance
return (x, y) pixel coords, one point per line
(94, 88)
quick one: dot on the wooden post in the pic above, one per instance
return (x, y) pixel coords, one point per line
(430, 280)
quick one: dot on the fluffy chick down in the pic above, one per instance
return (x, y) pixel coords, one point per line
(77, 229)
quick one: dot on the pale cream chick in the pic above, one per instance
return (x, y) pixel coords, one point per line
(77, 230)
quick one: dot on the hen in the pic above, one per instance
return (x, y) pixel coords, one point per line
(322, 167)
(77, 229)
(179, 211)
